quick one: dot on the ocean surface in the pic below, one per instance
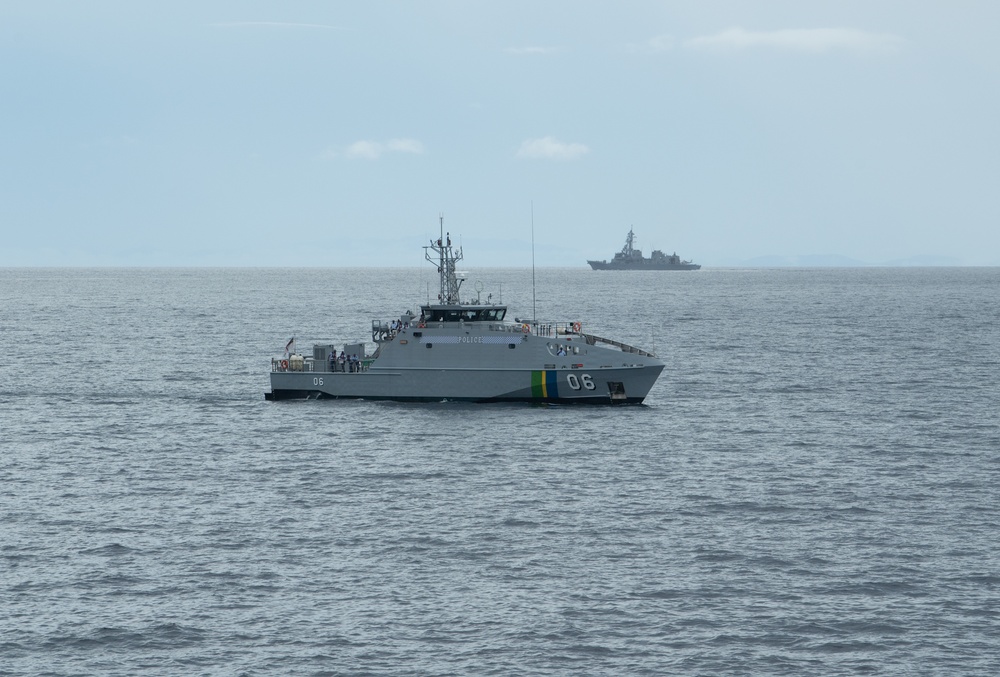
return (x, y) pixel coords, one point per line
(811, 488)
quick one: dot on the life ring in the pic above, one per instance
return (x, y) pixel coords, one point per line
(576, 327)
(525, 328)
(284, 364)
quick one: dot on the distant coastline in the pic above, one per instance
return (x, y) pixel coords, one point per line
(836, 261)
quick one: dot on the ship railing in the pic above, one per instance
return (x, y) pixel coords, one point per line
(385, 331)
(515, 328)
(625, 348)
(292, 363)
(308, 364)
(556, 329)
(538, 328)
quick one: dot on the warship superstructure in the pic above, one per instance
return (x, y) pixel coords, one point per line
(468, 351)
(630, 258)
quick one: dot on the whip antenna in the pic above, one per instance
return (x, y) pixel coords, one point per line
(534, 315)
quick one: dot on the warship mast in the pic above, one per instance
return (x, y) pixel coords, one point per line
(629, 239)
(447, 257)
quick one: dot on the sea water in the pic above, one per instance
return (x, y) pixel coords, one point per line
(812, 486)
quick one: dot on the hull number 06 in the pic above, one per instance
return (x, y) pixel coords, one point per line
(584, 381)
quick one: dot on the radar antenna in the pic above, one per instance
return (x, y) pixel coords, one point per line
(629, 242)
(445, 260)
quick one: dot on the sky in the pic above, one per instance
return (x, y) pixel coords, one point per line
(242, 133)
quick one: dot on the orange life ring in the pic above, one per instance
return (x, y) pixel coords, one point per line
(525, 328)
(284, 364)
(576, 327)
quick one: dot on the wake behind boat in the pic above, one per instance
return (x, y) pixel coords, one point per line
(630, 258)
(468, 351)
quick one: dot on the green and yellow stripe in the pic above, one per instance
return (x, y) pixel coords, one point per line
(543, 385)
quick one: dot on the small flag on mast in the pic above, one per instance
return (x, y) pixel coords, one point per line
(289, 346)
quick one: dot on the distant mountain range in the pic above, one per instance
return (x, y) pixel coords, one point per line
(836, 261)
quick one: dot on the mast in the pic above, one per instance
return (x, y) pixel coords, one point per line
(627, 249)
(446, 259)
(534, 315)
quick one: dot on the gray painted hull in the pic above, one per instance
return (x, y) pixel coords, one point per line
(473, 385)
(603, 265)
(482, 362)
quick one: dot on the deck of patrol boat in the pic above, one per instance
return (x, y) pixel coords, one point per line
(569, 330)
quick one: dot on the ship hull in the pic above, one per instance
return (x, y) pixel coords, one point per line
(603, 265)
(621, 385)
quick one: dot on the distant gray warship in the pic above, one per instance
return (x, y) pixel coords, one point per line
(630, 258)
(468, 351)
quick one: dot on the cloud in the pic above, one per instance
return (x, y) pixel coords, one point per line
(548, 148)
(373, 150)
(529, 51)
(366, 150)
(813, 40)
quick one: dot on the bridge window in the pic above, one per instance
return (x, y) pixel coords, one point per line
(464, 314)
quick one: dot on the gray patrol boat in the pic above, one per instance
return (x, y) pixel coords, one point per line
(468, 351)
(630, 258)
